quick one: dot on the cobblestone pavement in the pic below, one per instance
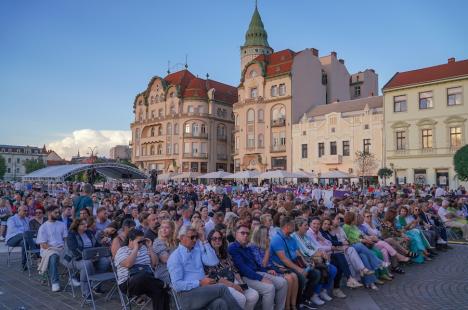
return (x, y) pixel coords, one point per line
(440, 284)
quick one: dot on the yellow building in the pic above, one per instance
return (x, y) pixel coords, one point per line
(425, 122)
(328, 136)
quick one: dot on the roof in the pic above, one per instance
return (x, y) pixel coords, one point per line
(256, 35)
(277, 63)
(346, 106)
(430, 74)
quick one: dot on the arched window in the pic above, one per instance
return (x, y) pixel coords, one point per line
(176, 148)
(187, 128)
(221, 130)
(250, 116)
(253, 73)
(176, 129)
(169, 129)
(203, 128)
(260, 140)
(159, 149)
(160, 130)
(152, 150)
(195, 129)
(261, 115)
(278, 113)
(152, 131)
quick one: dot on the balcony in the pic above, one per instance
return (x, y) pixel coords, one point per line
(281, 122)
(331, 159)
(191, 135)
(221, 138)
(278, 148)
(221, 157)
(196, 155)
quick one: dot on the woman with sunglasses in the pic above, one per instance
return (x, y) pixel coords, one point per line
(226, 273)
(37, 220)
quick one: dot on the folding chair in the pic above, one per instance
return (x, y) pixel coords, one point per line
(72, 271)
(175, 299)
(10, 250)
(95, 280)
(29, 238)
(453, 233)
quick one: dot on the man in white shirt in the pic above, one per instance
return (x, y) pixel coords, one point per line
(439, 192)
(51, 238)
(450, 219)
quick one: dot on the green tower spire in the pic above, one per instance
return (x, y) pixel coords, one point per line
(256, 35)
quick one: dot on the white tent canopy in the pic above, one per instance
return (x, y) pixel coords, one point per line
(186, 175)
(278, 174)
(305, 174)
(247, 174)
(337, 174)
(216, 175)
(166, 176)
(61, 172)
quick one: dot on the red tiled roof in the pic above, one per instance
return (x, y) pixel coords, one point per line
(181, 78)
(429, 74)
(277, 63)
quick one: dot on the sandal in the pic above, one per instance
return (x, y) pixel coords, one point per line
(413, 254)
(398, 270)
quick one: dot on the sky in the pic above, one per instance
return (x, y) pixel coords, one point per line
(70, 70)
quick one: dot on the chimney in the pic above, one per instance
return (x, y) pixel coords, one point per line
(451, 59)
(341, 61)
(333, 53)
(314, 52)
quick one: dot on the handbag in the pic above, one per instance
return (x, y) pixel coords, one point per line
(321, 266)
(298, 260)
(137, 268)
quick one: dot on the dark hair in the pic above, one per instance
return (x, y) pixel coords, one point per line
(100, 209)
(76, 222)
(240, 226)
(128, 223)
(52, 208)
(134, 233)
(286, 221)
(86, 210)
(223, 253)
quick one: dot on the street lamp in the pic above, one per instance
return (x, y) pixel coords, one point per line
(92, 149)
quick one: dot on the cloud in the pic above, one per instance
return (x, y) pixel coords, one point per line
(83, 139)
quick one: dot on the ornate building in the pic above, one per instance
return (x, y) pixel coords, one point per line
(183, 123)
(275, 91)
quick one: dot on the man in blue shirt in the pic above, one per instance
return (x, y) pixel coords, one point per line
(271, 287)
(185, 265)
(83, 201)
(16, 226)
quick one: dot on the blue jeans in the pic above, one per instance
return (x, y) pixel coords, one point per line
(53, 268)
(18, 241)
(369, 260)
(331, 280)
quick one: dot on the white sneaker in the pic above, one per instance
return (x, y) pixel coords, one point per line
(353, 283)
(2, 238)
(324, 296)
(74, 282)
(385, 264)
(316, 300)
(338, 293)
(55, 287)
(440, 241)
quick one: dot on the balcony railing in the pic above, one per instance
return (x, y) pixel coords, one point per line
(278, 148)
(331, 159)
(195, 135)
(196, 155)
(278, 122)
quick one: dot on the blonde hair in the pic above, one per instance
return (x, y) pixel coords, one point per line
(260, 236)
(170, 240)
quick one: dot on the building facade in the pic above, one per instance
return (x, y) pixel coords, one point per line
(275, 91)
(183, 123)
(426, 116)
(120, 152)
(15, 156)
(328, 136)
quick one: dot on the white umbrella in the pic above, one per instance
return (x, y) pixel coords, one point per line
(186, 175)
(305, 174)
(337, 174)
(278, 174)
(247, 174)
(216, 175)
(166, 176)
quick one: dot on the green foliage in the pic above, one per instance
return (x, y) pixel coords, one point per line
(2, 166)
(384, 172)
(128, 163)
(33, 165)
(460, 161)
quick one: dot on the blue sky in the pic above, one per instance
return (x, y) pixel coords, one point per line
(71, 65)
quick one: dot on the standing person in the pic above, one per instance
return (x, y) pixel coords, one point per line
(264, 280)
(185, 265)
(16, 226)
(51, 238)
(83, 201)
(5, 213)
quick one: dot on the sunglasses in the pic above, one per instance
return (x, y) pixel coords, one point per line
(245, 233)
(193, 238)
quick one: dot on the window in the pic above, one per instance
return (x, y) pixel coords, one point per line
(172, 109)
(152, 114)
(366, 146)
(160, 148)
(366, 126)
(454, 96)
(168, 149)
(190, 109)
(274, 91)
(187, 128)
(195, 129)
(357, 91)
(152, 131)
(176, 129)
(152, 150)
(282, 138)
(250, 140)
(260, 140)
(160, 130)
(253, 93)
(194, 167)
(321, 149)
(250, 116)
(160, 112)
(399, 104)
(9, 170)
(253, 73)
(282, 89)
(203, 128)
(333, 148)
(455, 136)
(345, 148)
(9, 160)
(169, 129)
(425, 100)
(304, 150)
(427, 138)
(176, 148)
(17, 160)
(400, 140)
(187, 148)
(261, 115)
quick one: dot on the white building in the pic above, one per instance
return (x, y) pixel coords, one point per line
(120, 152)
(15, 156)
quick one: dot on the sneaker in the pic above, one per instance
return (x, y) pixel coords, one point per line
(316, 300)
(338, 293)
(55, 287)
(373, 287)
(98, 291)
(379, 282)
(324, 296)
(306, 306)
(74, 282)
(366, 272)
(385, 264)
(2, 238)
(353, 283)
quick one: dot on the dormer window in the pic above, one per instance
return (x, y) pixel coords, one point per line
(253, 93)
(253, 73)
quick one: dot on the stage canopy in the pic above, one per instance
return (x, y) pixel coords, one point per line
(61, 172)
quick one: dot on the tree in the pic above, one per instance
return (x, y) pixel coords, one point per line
(460, 161)
(2, 167)
(33, 165)
(385, 173)
(366, 164)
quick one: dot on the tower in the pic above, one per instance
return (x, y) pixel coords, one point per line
(256, 40)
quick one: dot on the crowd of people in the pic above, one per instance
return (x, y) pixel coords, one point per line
(226, 246)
